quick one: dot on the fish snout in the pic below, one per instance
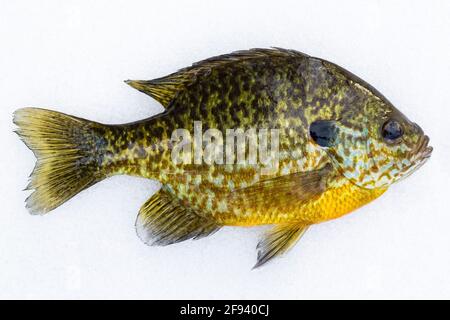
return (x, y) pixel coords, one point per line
(423, 150)
(418, 129)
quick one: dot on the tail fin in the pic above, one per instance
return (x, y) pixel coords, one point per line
(68, 156)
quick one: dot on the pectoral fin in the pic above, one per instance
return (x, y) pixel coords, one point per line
(293, 188)
(277, 241)
(162, 220)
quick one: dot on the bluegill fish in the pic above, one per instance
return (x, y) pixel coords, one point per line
(340, 145)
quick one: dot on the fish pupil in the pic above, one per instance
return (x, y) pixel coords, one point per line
(323, 132)
(391, 130)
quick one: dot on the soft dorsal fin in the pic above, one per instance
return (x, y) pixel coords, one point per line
(165, 89)
(277, 241)
(162, 220)
(162, 90)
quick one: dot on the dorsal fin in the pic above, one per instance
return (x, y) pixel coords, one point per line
(165, 89)
(162, 220)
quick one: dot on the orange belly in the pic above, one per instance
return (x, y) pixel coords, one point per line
(335, 203)
(332, 204)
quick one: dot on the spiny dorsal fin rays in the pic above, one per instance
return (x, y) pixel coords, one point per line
(277, 241)
(162, 220)
(165, 89)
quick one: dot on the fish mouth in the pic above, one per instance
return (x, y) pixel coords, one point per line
(423, 150)
(420, 156)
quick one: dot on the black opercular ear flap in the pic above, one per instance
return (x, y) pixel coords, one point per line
(324, 132)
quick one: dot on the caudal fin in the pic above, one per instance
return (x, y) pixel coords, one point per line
(68, 156)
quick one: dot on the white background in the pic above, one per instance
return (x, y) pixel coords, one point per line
(73, 56)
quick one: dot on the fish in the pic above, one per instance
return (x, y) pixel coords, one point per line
(336, 144)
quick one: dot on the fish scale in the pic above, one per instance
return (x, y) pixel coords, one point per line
(341, 145)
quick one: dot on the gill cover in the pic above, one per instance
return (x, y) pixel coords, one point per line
(349, 149)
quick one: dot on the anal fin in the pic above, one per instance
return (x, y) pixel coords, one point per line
(277, 241)
(162, 220)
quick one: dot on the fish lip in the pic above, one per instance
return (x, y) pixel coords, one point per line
(423, 150)
(427, 152)
(422, 154)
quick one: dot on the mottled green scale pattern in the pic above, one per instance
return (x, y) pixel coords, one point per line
(341, 145)
(273, 89)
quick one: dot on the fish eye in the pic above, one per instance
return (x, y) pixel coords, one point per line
(391, 130)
